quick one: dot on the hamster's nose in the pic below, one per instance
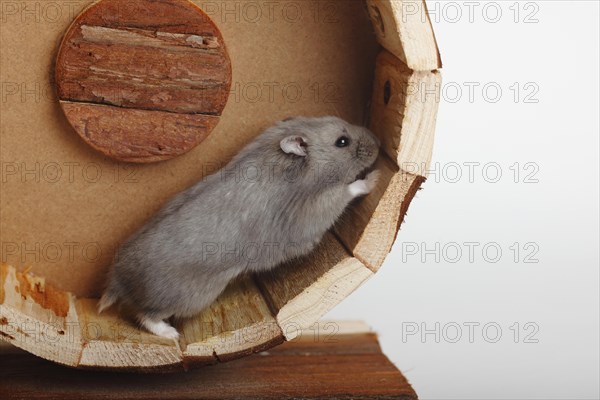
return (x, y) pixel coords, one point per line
(375, 138)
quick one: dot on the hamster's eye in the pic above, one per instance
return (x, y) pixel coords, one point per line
(342, 141)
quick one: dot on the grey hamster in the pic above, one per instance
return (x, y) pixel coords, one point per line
(271, 203)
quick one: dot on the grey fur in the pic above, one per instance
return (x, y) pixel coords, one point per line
(264, 208)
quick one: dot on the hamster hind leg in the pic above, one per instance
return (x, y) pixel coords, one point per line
(158, 327)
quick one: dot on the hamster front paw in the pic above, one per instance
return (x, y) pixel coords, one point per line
(372, 179)
(362, 187)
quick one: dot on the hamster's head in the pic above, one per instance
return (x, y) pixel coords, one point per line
(336, 150)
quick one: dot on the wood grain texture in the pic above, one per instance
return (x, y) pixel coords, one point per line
(38, 318)
(302, 292)
(238, 323)
(138, 135)
(56, 326)
(113, 342)
(342, 366)
(403, 112)
(172, 72)
(403, 27)
(370, 227)
(162, 60)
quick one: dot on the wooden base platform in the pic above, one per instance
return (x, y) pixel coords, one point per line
(341, 366)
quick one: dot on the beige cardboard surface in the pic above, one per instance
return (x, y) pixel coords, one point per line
(64, 207)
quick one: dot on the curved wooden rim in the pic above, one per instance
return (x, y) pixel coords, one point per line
(59, 327)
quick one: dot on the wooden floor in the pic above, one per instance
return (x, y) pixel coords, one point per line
(346, 366)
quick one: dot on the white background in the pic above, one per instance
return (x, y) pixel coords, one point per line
(557, 215)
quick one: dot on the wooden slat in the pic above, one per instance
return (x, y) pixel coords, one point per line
(403, 112)
(404, 28)
(302, 292)
(113, 342)
(138, 135)
(369, 228)
(238, 323)
(168, 75)
(39, 319)
(175, 16)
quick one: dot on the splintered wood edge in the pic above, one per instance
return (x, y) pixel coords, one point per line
(38, 319)
(404, 28)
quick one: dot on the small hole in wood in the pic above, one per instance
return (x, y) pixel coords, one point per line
(387, 92)
(377, 19)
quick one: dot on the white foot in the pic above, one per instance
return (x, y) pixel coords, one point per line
(364, 186)
(159, 328)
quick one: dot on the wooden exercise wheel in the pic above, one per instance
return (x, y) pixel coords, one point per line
(51, 311)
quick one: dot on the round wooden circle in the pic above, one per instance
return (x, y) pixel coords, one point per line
(143, 80)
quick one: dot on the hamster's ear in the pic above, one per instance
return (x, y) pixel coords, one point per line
(294, 145)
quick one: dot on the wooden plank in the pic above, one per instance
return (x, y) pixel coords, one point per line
(114, 342)
(369, 228)
(156, 55)
(138, 135)
(303, 291)
(337, 367)
(403, 112)
(238, 323)
(167, 76)
(38, 319)
(176, 16)
(404, 28)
